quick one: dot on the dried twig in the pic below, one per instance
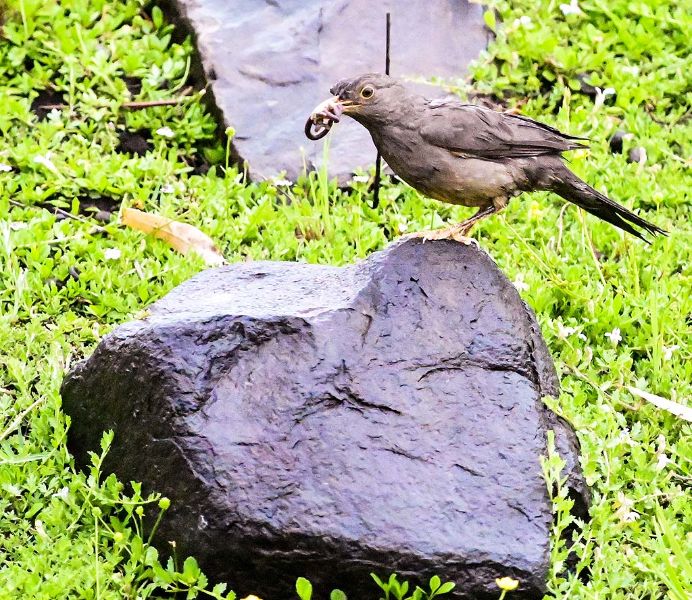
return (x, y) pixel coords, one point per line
(17, 421)
(63, 213)
(136, 104)
(586, 240)
(560, 225)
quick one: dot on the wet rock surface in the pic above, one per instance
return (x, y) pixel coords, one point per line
(329, 422)
(269, 63)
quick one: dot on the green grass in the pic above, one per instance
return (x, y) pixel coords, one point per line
(64, 283)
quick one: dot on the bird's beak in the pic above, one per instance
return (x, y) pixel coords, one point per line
(331, 109)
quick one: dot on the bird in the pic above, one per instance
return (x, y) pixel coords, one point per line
(466, 154)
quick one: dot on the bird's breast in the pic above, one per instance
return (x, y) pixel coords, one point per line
(438, 173)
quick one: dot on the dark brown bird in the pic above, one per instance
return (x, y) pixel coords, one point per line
(466, 154)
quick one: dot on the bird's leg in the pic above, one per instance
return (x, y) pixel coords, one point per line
(458, 232)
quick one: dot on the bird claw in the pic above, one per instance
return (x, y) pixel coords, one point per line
(443, 234)
(467, 241)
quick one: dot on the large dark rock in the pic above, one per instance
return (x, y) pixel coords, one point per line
(329, 422)
(269, 63)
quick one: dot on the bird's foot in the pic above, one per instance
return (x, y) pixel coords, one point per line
(455, 233)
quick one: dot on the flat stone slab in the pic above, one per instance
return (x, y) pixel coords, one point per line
(269, 63)
(327, 422)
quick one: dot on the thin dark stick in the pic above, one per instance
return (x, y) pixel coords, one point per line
(386, 56)
(134, 105)
(61, 212)
(378, 160)
(138, 105)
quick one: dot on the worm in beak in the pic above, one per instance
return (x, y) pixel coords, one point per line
(324, 115)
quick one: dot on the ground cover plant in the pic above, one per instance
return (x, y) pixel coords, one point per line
(614, 311)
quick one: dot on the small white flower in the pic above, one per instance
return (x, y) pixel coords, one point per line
(660, 443)
(625, 438)
(614, 336)
(625, 510)
(570, 9)
(601, 95)
(520, 284)
(18, 225)
(402, 227)
(361, 178)
(631, 70)
(46, 162)
(661, 462)
(40, 529)
(588, 353)
(12, 489)
(5, 168)
(282, 182)
(523, 21)
(167, 188)
(112, 253)
(62, 493)
(668, 351)
(165, 132)
(563, 332)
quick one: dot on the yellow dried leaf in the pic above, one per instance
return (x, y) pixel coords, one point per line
(183, 237)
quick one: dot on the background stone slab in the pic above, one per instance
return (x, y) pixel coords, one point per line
(270, 62)
(328, 422)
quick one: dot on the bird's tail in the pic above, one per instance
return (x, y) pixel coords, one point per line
(571, 188)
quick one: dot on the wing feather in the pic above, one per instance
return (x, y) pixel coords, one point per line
(471, 130)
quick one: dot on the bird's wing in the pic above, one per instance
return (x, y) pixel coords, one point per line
(470, 130)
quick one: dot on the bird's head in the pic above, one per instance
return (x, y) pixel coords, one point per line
(370, 98)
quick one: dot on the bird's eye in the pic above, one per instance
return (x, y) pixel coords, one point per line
(367, 91)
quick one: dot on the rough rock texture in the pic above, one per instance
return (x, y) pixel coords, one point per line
(329, 422)
(269, 63)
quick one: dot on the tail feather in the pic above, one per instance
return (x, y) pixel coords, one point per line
(571, 188)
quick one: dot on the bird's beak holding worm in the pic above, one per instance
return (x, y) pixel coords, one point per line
(324, 115)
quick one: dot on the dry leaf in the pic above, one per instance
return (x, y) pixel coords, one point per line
(679, 410)
(183, 237)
